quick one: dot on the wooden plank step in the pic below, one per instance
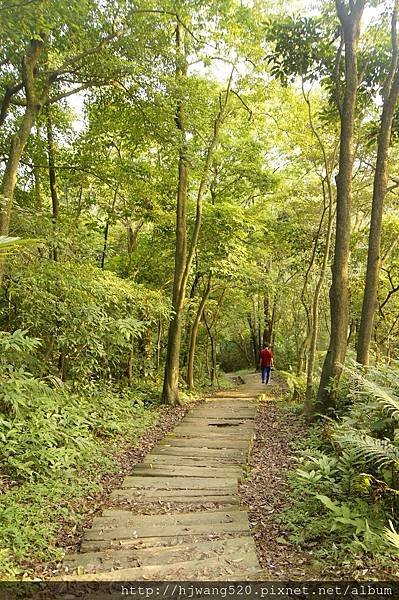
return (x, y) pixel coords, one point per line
(199, 471)
(212, 568)
(227, 497)
(179, 483)
(155, 542)
(214, 426)
(226, 395)
(187, 452)
(200, 442)
(122, 531)
(197, 461)
(95, 562)
(189, 431)
(218, 421)
(115, 518)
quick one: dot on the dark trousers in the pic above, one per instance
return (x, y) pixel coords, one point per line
(266, 374)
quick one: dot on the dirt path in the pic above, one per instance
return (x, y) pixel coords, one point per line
(179, 515)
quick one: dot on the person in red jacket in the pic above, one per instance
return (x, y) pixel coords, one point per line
(266, 363)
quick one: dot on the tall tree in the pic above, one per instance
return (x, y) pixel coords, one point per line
(390, 94)
(46, 65)
(184, 252)
(350, 18)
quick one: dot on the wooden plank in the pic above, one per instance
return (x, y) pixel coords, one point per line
(112, 519)
(226, 395)
(157, 493)
(194, 461)
(186, 431)
(154, 543)
(212, 426)
(192, 496)
(199, 471)
(212, 568)
(188, 452)
(123, 532)
(101, 561)
(178, 483)
(218, 420)
(200, 442)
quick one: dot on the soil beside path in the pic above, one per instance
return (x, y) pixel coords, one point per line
(265, 491)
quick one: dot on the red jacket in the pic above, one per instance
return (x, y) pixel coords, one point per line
(266, 357)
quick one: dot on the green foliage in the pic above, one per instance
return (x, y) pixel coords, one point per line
(350, 468)
(300, 47)
(84, 317)
(54, 446)
(296, 384)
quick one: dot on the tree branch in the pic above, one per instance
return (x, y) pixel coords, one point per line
(5, 104)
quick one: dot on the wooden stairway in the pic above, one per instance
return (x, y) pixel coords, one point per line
(178, 516)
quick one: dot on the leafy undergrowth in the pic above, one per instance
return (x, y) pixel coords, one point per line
(55, 456)
(335, 514)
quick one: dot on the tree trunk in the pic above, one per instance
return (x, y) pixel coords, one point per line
(339, 293)
(106, 230)
(379, 192)
(194, 333)
(254, 340)
(18, 144)
(129, 368)
(315, 306)
(52, 176)
(20, 138)
(196, 280)
(159, 345)
(183, 256)
(132, 235)
(213, 365)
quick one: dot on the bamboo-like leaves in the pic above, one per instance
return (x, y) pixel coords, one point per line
(10, 244)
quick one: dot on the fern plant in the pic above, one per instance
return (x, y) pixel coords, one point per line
(367, 449)
(392, 536)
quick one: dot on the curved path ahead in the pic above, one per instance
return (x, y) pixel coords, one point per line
(178, 516)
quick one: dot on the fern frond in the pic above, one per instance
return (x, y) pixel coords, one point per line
(385, 398)
(392, 536)
(388, 401)
(369, 449)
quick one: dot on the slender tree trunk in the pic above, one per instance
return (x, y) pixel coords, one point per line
(170, 393)
(132, 235)
(213, 365)
(194, 333)
(196, 280)
(315, 305)
(33, 107)
(129, 369)
(339, 293)
(254, 340)
(52, 176)
(159, 338)
(106, 230)
(369, 305)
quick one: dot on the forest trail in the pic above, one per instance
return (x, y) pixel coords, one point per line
(178, 516)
